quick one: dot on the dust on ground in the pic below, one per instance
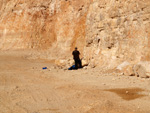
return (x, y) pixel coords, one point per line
(26, 88)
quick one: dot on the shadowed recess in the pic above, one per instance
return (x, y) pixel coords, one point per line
(128, 93)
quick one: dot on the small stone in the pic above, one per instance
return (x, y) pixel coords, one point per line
(103, 83)
(85, 67)
(127, 92)
(113, 79)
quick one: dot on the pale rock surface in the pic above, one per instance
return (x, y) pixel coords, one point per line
(126, 68)
(84, 63)
(142, 69)
(120, 29)
(124, 64)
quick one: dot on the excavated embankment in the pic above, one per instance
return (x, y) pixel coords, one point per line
(107, 32)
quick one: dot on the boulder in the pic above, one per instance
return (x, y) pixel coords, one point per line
(142, 69)
(84, 63)
(126, 68)
(92, 64)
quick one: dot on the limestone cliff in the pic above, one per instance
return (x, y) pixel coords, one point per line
(107, 32)
(42, 23)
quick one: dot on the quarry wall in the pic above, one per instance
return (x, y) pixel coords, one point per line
(107, 32)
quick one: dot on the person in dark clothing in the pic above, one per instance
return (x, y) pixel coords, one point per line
(76, 58)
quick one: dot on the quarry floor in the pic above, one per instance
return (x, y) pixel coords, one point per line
(26, 88)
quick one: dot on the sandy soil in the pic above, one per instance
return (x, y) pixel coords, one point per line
(26, 88)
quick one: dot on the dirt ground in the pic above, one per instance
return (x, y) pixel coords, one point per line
(26, 88)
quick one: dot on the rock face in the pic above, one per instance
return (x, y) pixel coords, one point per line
(142, 69)
(121, 31)
(106, 32)
(42, 24)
